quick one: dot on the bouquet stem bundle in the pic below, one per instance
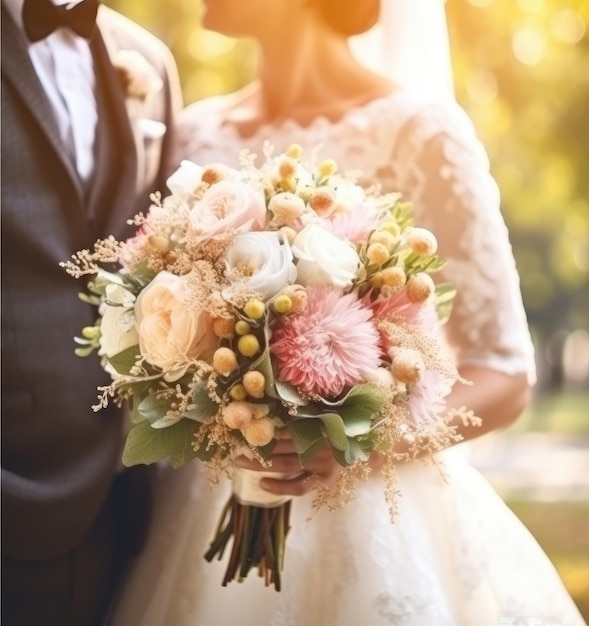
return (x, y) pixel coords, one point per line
(258, 537)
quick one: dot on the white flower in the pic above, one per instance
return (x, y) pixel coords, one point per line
(117, 325)
(227, 205)
(185, 180)
(172, 330)
(140, 78)
(260, 261)
(324, 259)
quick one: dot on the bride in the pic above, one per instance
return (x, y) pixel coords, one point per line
(455, 555)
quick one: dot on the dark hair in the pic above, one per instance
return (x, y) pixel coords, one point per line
(350, 17)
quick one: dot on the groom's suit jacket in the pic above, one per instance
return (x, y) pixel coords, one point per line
(59, 458)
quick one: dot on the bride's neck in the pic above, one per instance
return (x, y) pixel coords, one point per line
(310, 76)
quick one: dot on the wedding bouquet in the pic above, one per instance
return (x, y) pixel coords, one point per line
(262, 299)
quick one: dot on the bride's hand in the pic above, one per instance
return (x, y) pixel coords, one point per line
(323, 468)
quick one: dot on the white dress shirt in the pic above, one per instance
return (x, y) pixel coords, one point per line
(64, 65)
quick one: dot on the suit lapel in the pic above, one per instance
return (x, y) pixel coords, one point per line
(18, 69)
(112, 195)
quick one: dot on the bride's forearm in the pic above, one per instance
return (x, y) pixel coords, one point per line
(497, 399)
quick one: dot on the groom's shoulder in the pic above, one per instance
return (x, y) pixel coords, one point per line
(129, 35)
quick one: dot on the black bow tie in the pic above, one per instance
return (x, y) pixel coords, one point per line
(42, 17)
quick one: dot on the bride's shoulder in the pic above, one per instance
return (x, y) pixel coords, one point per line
(427, 116)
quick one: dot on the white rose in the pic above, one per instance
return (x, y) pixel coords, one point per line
(324, 259)
(172, 330)
(260, 261)
(227, 205)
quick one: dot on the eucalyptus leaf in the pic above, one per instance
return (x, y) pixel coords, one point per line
(307, 436)
(124, 361)
(154, 408)
(289, 394)
(146, 445)
(335, 430)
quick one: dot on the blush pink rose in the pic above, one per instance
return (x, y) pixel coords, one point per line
(227, 205)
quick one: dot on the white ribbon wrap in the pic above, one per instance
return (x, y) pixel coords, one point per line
(247, 490)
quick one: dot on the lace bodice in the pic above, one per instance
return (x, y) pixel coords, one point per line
(429, 152)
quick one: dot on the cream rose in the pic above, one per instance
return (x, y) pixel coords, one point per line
(324, 259)
(172, 331)
(261, 262)
(117, 325)
(227, 205)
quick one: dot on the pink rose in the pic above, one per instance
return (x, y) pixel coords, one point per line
(227, 205)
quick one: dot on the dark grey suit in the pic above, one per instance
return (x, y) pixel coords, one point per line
(63, 526)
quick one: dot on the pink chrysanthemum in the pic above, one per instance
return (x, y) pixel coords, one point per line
(355, 225)
(331, 345)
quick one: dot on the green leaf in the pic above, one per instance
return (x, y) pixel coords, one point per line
(289, 394)
(154, 408)
(307, 437)
(205, 406)
(444, 299)
(124, 361)
(359, 409)
(146, 445)
(335, 430)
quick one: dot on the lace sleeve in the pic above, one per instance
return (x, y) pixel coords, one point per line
(442, 167)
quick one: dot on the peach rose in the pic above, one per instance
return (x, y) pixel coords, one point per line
(172, 332)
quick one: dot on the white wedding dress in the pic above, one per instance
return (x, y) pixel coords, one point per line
(455, 555)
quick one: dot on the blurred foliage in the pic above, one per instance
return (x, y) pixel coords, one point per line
(522, 73)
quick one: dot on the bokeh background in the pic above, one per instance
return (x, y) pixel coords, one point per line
(522, 73)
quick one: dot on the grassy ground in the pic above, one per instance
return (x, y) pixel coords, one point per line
(561, 528)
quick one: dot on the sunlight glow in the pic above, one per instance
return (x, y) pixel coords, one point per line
(482, 86)
(531, 6)
(568, 26)
(529, 45)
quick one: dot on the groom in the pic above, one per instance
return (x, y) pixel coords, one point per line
(87, 100)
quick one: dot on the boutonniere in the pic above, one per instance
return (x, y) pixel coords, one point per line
(138, 76)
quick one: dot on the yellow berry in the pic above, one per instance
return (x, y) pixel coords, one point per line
(282, 304)
(394, 277)
(407, 366)
(242, 327)
(287, 167)
(248, 345)
(377, 253)
(295, 151)
(254, 383)
(385, 237)
(237, 414)
(420, 287)
(377, 280)
(259, 410)
(259, 432)
(223, 327)
(214, 172)
(422, 241)
(322, 201)
(288, 184)
(238, 392)
(224, 361)
(255, 309)
(326, 168)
